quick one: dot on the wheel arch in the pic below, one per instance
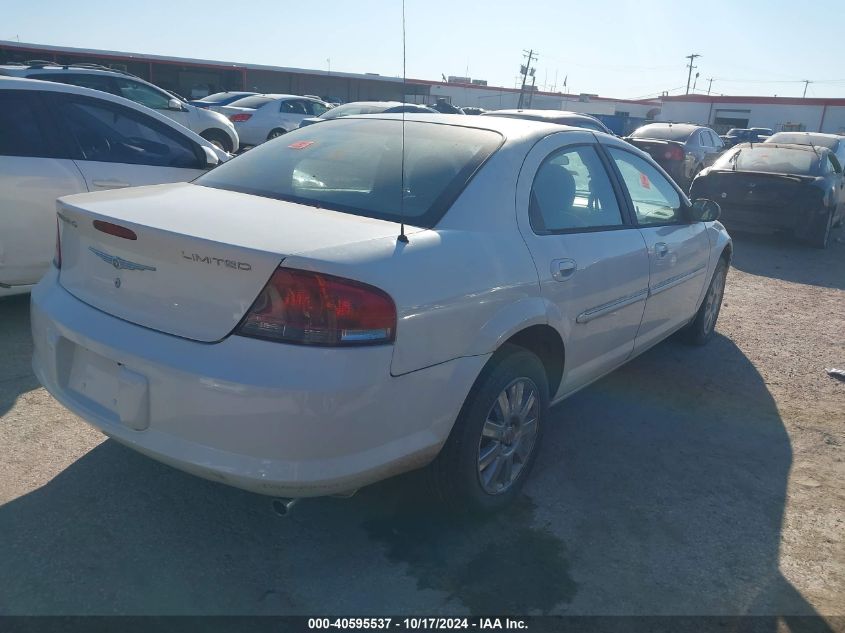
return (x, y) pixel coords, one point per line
(544, 342)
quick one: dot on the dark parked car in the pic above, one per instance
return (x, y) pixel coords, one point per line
(561, 117)
(682, 149)
(220, 99)
(473, 111)
(736, 135)
(444, 107)
(367, 107)
(775, 187)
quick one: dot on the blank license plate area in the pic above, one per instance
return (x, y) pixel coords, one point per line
(95, 378)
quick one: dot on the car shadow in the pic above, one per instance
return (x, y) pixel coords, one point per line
(782, 257)
(16, 376)
(659, 490)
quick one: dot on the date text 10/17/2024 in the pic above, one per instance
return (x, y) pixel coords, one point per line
(418, 624)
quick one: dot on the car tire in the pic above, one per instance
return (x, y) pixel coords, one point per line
(490, 452)
(218, 139)
(702, 328)
(276, 133)
(820, 235)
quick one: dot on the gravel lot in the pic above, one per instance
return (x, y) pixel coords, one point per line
(692, 481)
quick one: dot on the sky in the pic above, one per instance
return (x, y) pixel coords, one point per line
(616, 48)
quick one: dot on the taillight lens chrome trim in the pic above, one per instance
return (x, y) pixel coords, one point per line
(308, 308)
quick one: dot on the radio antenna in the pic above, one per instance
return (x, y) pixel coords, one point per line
(402, 237)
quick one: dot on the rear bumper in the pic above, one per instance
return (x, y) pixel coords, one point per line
(767, 219)
(251, 135)
(274, 419)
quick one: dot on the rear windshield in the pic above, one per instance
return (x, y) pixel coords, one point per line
(253, 102)
(352, 108)
(775, 160)
(355, 166)
(664, 132)
(217, 97)
(801, 138)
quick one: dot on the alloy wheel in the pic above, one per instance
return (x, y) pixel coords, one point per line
(508, 436)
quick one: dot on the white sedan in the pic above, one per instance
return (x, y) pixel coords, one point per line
(58, 139)
(305, 319)
(260, 118)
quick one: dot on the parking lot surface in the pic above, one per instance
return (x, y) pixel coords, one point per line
(691, 481)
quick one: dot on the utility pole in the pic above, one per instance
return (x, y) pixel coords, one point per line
(691, 59)
(709, 85)
(525, 69)
(807, 82)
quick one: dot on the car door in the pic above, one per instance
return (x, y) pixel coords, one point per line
(678, 249)
(34, 171)
(116, 146)
(591, 261)
(153, 98)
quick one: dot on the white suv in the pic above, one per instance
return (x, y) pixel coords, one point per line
(213, 127)
(57, 140)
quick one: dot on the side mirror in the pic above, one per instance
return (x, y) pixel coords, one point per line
(704, 210)
(174, 104)
(211, 158)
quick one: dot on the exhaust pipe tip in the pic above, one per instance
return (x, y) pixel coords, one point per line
(283, 506)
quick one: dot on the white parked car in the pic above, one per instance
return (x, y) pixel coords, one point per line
(57, 140)
(260, 118)
(303, 320)
(212, 126)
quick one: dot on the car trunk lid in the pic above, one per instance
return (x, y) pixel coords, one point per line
(753, 189)
(200, 256)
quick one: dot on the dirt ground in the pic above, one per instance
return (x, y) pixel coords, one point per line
(691, 481)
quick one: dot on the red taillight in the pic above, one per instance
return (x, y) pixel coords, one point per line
(115, 229)
(238, 118)
(297, 306)
(57, 257)
(673, 152)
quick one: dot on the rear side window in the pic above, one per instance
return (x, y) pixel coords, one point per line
(572, 191)
(114, 134)
(21, 132)
(143, 94)
(293, 106)
(355, 166)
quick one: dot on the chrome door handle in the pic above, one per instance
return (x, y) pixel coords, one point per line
(110, 184)
(563, 269)
(660, 249)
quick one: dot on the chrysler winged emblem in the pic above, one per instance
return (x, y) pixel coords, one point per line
(119, 262)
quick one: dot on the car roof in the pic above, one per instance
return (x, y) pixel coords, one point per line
(543, 114)
(280, 97)
(683, 127)
(510, 127)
